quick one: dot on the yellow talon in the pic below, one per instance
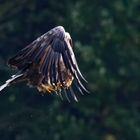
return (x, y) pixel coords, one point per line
(45, 88)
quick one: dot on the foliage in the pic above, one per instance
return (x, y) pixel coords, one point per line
(106, 43)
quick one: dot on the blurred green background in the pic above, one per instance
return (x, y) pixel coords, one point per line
(106, 36)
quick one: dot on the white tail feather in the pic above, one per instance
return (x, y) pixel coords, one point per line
(7, 83)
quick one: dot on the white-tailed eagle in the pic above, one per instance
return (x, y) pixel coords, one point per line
(49, 64)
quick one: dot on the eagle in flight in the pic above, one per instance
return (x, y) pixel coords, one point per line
(49, 64)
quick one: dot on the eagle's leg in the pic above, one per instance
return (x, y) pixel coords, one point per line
(45, 87)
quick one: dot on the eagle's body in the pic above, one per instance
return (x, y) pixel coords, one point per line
(48, 63)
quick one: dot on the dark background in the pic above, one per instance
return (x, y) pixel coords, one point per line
(107, 46)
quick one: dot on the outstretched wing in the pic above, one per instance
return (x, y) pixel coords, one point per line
(53, 51)
(33, 52)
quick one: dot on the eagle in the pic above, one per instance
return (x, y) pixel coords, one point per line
(49, 64)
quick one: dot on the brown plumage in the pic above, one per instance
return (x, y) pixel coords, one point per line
(49, 64)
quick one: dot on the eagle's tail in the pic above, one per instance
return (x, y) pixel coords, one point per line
(13, 79)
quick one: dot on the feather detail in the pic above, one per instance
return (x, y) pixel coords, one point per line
(8, 82)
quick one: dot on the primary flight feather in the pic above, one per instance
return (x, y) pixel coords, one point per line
(49, 64)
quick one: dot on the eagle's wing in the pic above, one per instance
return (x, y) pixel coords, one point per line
(52, 51)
